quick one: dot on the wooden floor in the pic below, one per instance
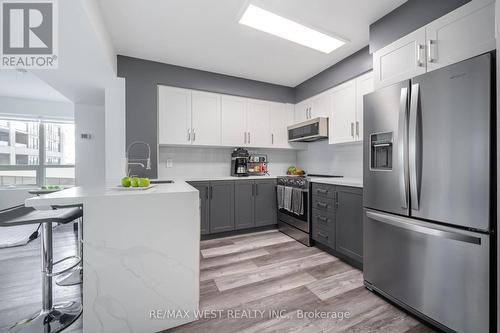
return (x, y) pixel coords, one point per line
(268, 271)
(20, 279)
(255, 273)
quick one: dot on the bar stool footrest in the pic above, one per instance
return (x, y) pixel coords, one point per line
(79, 260)
(71, 279)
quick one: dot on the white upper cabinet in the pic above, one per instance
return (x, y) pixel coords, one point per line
(320, 105)
(206, 118)
(343, 115)
(401, 60)
(463, 33)
(174, 115)
(258, 129)
(364, 85)
(302, 110)
(234, 118)
(466, 32)
(280, 116)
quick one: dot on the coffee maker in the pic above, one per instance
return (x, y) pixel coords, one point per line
(239, 160)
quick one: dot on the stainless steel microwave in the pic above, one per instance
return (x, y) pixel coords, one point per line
(308, 131)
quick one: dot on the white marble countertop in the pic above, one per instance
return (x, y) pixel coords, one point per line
(77, 194)
(353, 182)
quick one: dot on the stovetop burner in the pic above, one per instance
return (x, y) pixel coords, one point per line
(301, 181)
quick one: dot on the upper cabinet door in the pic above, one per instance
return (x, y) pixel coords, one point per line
(464, 33)
(343, 119)
(364, 85)
(258, 130)
(279, 118)
(401, 60)
(233, 121)
(174, 115)
(321, 105)
(206, 129)
(302, 111)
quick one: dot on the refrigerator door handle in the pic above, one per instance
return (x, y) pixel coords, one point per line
(408, 224)
(412, 146)
(402, 142)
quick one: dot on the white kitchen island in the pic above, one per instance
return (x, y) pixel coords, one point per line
(140, 255)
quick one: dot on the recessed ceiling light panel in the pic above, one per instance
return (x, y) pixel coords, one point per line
(276, 25)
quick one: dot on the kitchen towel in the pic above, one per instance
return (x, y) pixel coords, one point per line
(280, 194)
(287, 198)
(297, 201)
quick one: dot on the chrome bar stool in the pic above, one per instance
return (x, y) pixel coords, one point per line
(75, 276)
(52, 318)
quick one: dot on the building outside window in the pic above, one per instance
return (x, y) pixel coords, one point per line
(36, 152)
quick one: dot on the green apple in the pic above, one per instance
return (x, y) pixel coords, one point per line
(144, 182)
(126, 181)
(44, 187)
(134, 182)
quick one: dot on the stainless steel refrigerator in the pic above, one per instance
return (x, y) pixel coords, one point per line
(429, 175)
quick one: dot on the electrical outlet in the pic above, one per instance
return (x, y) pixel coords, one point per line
(170, 163)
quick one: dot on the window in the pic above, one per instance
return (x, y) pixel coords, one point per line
(59, 144)
(36, 152)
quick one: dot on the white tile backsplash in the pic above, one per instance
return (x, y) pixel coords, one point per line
(322, 158)
(214, 162)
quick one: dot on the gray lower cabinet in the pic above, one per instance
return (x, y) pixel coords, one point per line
(349, 222)
(221, 194)
(337, 219)
(244, 204)
(203, 188)
(227, 205)
(265, 203)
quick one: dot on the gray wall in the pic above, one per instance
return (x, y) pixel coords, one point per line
(143, 76)
(352, 66)
(407, 18)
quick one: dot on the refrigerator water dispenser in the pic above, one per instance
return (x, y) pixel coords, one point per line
(381, 151)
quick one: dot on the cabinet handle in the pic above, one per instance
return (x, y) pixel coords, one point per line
(249, 137)
(322, 218)
(189, 134)
(256, 189)
(211, 192)
(207, 192)
(430, 42)
(418, 51)
(321, 204)
(352, 130)
(320, 190)
(336, 200)
(194, 135)
(322, 235)
(272, 138)
(357, 128)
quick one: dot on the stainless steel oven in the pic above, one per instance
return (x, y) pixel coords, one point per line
(296, 225)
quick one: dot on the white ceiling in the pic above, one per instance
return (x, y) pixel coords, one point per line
(26, 85)
(205, 34)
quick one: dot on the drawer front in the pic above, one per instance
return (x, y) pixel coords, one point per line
(322, 219)
(324, 237)
(323, 190)
(323, 204)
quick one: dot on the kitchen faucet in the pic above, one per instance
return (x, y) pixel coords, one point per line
(139, 161)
